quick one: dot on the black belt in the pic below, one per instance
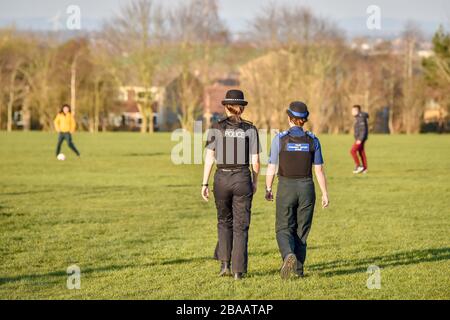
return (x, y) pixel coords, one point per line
(232, 169)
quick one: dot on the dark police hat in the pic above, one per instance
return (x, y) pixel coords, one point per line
(234, 97)
(298, 109)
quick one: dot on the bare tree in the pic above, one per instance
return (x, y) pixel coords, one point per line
(265, 27)
(102, 81)
(12, 88)
(132, 34)
(437, 73)
(197, 21)
(413, 102)
(195, 26)
(280, 25)
(39, 74)
(273, 80)
(138, 25)
(12, 58)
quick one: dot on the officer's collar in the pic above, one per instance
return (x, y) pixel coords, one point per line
(296, 128)
(233, 121)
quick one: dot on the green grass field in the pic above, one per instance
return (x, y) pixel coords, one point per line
(136, 226)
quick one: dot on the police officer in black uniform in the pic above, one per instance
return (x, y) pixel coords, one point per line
(295, 151)
(233, 144)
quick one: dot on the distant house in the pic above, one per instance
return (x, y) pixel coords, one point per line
(435, 118)
(425, 53)
(126, 114)
(434, 112)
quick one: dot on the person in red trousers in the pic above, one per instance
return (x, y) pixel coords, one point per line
(361, 132)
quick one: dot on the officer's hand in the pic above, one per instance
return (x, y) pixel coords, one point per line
(325, 201)
(255, 187)
(269, 195)
(205, 193)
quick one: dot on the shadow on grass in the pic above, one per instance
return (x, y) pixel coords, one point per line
(178, 185)
(328, 269)
(187, 260)
(148, 154)
(343, 267)
(40, 278)
(28, 192)
(4, 212)
(44, 277)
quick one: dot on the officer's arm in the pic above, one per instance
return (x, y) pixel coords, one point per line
(254, 150)
(255, 167)
(209, 162)
(273, 162)
(322, 180)
(270, 175)
(210, 154)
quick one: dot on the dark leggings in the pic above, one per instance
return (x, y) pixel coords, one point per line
(68, 137)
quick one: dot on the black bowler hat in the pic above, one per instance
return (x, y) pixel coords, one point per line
(298, 109)
(234, 97)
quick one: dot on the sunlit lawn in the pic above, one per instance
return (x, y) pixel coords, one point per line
(136, 226)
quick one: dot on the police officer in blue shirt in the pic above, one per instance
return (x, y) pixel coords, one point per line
(295, 151)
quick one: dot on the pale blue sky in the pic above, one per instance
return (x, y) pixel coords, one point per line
(350, 14)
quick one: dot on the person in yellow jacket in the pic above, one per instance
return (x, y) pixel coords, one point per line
(65, 125)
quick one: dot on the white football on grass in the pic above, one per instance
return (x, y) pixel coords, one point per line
(61, 157)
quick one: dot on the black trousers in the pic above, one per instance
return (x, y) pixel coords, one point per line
(233, 195)
(295, 207)
(68, 137)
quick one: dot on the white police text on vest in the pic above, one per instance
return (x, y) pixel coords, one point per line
(235, 133)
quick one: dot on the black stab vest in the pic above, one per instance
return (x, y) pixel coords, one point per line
(296, 156)
(233, 151)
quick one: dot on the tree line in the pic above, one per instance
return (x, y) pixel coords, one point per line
(288, 53)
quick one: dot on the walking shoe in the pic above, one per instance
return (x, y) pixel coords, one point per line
(225, 269)
(358, 169)
(365, 171)
(289, 266)
(238, 276)
(300, 271)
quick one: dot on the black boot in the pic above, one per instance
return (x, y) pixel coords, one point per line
(225, 269)
(300, 271)
(289, 266)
